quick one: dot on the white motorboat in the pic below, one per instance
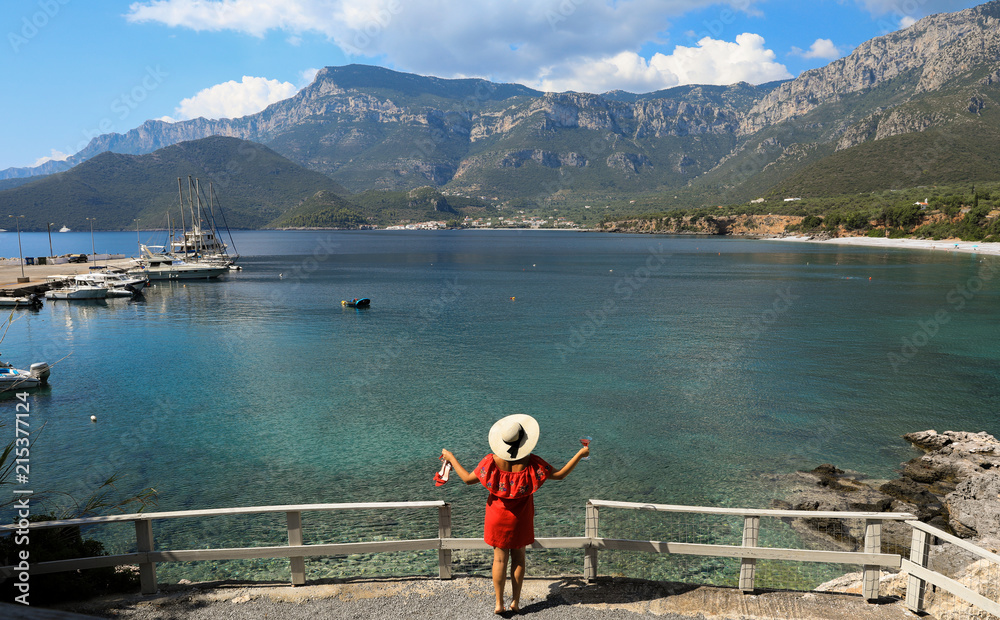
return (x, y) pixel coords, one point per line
(13, 379)
(119, 282)
(78, 292)
(64, 229)
(24, 301)
(157, 265)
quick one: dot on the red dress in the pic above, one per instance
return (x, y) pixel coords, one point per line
(510, 509)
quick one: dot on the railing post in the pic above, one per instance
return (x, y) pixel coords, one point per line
(916, 588)
(873, 544)
(590, 551)
(144, 544)
(444, 531)
(748, 566)
(298, 563)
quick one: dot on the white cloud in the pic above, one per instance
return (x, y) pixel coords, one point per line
(517, 41)
(307, 76)
(917, 9)
(711, 62)
(55, 156)
(233, 99)
(821, 48)
(910, 13)
(723, 62)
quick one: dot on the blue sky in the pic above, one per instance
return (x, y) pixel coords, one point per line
(73, 69)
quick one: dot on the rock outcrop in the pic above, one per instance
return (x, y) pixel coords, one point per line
(954, 486)
(738, 225)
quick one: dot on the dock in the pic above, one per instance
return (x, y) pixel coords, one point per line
(12, 284)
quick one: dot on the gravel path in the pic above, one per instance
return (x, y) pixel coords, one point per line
(472, 597)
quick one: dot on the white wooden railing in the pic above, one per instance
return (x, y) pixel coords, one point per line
(920, 575)
(872, 559)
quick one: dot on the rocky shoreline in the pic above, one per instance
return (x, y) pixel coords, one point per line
(954, 486)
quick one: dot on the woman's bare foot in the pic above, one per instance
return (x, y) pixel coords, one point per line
(515, 608)
(498, 609)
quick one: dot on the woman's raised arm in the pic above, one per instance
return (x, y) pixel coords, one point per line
(568, 467)
(466, 477)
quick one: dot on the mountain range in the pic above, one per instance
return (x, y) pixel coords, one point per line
(914, 107)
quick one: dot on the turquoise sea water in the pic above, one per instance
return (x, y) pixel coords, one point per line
(700, 367)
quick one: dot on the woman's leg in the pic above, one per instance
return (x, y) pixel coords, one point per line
(517, 561)
(499, 576)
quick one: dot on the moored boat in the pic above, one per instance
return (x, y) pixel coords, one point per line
(118, 281)
(14, 379)
(364, 302)
(200, 245)
(23, 301)
(78, 292)
(161, 266)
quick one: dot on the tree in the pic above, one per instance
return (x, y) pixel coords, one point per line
(811, 222)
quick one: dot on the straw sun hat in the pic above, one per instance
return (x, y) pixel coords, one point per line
(514, 437)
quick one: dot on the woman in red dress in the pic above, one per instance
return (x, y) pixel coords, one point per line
(512, 475)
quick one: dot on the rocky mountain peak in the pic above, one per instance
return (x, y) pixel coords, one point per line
(937, 49)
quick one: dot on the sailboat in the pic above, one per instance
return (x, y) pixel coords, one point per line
(156, 264)
(200, 245)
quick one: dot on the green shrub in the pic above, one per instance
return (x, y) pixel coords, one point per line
(63, 543)
(811, 222)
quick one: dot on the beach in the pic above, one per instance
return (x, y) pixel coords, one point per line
(944, 245)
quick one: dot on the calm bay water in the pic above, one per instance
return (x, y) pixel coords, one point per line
(700, 367)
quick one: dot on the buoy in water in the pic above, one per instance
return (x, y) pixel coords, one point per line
(93, 418)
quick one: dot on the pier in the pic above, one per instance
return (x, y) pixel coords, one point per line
(34, 279)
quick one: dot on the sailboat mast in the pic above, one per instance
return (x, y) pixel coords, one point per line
(197, 229)
(170, 232)
(187, 242)
(183, 224)
(211, 223)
